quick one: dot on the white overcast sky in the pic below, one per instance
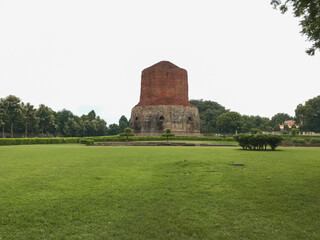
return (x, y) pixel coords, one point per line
(83, 55)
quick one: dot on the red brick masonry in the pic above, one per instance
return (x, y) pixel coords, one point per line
(164, 84)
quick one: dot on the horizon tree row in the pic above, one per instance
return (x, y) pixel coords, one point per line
(215, 118)
(24, 119)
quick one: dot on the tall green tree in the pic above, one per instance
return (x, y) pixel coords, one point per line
(2, 115)
(61, 118)
(113, 129)
(46, 118)
(309, 114)
(278, 119)
(308, 11)
(74, 127)
(92, 115)
(12, 111)
(230, 122)
(209, 111)
(29, 117)
(123, 123)
(101, 127)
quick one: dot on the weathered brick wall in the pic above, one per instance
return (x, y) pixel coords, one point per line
(164, 103)
(154, 120)
(164, 84)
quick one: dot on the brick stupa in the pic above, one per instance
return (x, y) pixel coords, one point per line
(164, 103)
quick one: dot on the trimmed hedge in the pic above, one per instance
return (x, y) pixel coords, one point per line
(258, 141)
(307, 138)
(157, 138)
(315, 140)
(116, 138)
(26, 141)
(298, 140)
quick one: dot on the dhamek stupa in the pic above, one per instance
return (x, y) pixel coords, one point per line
(164, 103)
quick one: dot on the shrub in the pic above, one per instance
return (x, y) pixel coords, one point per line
(298, 140)
(90, 142)
(258, 141)
(274, 141)
(255, 130)
(25, 141)
(315, 140)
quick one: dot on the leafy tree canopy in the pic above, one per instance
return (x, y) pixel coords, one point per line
(309, 13)
(279, 118)
(229, 122)
(309, 114)
(127, 133)
(209, 111)
(123, 123)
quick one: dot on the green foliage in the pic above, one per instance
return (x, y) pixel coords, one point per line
(258, 141)
(298, 140)
(123, 123)
(91, 115)
(29, 119)
(89, 142)
(279, 118)
(27, 141)
(308, 11)
(46, 118)
(294, 131)
(168, 134)
(315, 140)
(127, 133)
(113, 129)
(255, 130)
(309, 114)
(161, 138)
(24, 118)
(209, 111)
(11, 111)
(230, 122)
(61, 119)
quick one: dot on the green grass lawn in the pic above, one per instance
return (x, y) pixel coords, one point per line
(80, 192)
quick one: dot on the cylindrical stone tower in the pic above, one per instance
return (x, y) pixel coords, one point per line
(164, 103)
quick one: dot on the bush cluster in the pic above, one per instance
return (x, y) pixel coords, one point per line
(258, 141)
(26, 141)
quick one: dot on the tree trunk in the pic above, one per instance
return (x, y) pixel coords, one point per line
(11, 130)
(42, 130)
(2, 131)
(127, 138)
(26, 132)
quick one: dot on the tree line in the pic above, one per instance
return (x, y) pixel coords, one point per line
(215, 118)
(21, 118)
(17, 117)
